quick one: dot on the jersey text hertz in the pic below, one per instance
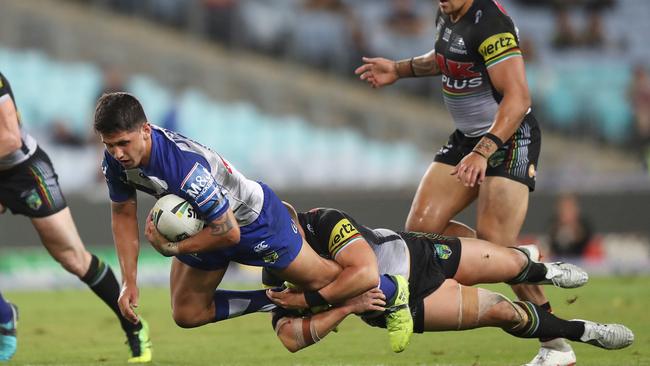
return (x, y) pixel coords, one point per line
(341, 234)
(496, 45)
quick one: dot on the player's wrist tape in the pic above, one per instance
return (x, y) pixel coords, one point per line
(405, 68)
(497, 141)
(314, 298)
(480, 153)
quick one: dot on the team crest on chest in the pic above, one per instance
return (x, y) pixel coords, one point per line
(458, 45)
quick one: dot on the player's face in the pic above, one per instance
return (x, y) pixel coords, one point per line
(129, 148)
(453, 6)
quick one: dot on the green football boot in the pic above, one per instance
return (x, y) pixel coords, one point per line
(399, 321)
(140, 344)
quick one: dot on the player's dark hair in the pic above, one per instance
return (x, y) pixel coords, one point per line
(118, 112)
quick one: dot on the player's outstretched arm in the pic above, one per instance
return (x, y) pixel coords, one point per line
(124, 224)
(380, 72)
(297, 333)
(9, 129)
(220, 233)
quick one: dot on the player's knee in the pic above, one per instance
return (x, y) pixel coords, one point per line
(494, 233)
(184, 318)
(458, 229)
(421, 222)
(496, 309)
(519, 260)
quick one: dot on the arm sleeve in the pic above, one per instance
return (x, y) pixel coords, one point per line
(338, 229)
(200, 188)
(497, 39)
(117, 189)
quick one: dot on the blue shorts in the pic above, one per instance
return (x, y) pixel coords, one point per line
(272, 241)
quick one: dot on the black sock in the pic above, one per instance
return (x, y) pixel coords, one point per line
(536, 272)
(101, 280)
(546, 306)
(531, 273)
(543, 324)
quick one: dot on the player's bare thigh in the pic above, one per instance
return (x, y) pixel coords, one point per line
(438, 199)
(484, 262)
(59, 235)
(502, 207)
(441, 308)
(192, 292)
(309, 270)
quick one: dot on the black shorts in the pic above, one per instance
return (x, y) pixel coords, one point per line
(434, 258)
(516, 159)
(31, 188)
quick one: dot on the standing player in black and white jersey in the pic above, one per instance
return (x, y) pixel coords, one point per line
(29, 187)
(492, 155)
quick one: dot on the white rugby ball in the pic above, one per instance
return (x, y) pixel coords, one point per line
(175, 218)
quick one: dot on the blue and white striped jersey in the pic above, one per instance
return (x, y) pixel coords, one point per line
(190, 170)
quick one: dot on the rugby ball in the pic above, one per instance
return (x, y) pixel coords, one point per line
(175, 218)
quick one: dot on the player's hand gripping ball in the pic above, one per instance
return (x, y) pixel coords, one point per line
(171, 220)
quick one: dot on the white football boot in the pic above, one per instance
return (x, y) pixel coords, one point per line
(556, 352)
(564, 275)
(607, 336)
(560, 274)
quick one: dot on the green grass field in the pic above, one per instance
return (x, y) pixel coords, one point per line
(74, 328)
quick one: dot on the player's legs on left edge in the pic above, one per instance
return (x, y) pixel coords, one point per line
(61, 239)
(8, 323)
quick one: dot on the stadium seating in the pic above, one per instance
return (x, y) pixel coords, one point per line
(288, 151)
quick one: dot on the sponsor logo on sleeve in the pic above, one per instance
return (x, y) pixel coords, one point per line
(343, 233)
(33, 200)
(496, 45)
(199, 185)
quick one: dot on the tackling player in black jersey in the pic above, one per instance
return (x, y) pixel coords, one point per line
(440, 271)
